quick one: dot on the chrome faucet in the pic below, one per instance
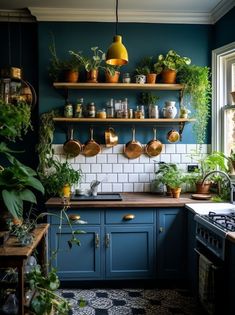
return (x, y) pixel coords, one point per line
(228, 178)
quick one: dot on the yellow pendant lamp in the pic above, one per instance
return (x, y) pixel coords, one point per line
(117, 54)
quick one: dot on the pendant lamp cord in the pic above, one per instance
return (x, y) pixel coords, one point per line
(20, 35)
(9, 41)
(116, 17)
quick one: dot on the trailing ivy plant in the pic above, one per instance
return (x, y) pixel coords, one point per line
(197, 92)
(14, 120)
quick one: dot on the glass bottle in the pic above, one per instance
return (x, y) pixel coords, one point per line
(110, 109)
(91, 110)
(68, 109)
(78, 108)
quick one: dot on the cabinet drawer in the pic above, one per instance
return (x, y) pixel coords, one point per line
(129, 216)
(90, 216)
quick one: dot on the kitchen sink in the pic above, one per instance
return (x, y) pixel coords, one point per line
(99, 197)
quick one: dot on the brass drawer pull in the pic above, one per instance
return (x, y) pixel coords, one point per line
(128, 217)
(107, 240)
(97, 240)
(74, 217)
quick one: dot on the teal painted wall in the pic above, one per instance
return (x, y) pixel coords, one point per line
(224, 30)
(194, 41)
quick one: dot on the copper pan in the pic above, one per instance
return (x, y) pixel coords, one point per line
(133, 149)
(154, 146)
(72, 147)
(91, 147)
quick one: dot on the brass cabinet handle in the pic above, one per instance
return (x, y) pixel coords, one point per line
(107, 240)
(128, 217)
(97, 240)
(161, 229)
(74, 217)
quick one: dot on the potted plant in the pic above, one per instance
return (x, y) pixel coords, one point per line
(169, 65)
(91, 64)
(174, 178)
(59, 178)
(158, 183)
(16, 183)
(15, 119)
(146, 67)
(197, 93)
(71, 68)
(112, 73)
(150, 100)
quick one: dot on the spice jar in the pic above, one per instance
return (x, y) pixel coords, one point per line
(126, 78)
(91, 110)
(68, 110)
(139, 113)
(78, 108)
(110, 109)
(101, 113)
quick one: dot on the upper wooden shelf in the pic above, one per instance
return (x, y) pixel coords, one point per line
(127, 120)
(118, 86)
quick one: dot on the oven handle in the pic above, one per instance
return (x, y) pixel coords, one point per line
(199, 253)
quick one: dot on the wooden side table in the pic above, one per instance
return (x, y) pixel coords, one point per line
(14, 256)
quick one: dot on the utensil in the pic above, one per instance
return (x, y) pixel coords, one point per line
(72, 147)
(111, 138)
(133, 149)
(91, 147)
(173, 136)
(154, 146)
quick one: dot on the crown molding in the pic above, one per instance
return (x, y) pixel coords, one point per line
(22, 15)
(134, 16)
(221, 9)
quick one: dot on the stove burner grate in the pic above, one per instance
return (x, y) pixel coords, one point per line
(224, 221)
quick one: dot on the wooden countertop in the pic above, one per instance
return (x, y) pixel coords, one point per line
(136, 200)
(231, 236)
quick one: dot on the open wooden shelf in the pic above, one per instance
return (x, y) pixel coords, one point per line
(118, 86)
(122, 120)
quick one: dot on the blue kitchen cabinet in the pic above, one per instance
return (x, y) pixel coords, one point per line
(129, 252)
(191, 254)
(79, 262)
(171, 243)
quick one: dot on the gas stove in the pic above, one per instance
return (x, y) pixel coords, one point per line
(211, 230)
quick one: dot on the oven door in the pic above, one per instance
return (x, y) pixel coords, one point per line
(210, 280)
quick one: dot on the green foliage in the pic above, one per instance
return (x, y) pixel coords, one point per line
(111, 69)
(14, 120)
(145, 66)
(197, 92)
(59, 175)
(23, 232)
(171, 61)
(46, 135)
(15, 183)
(46, 300)
(174, 178)
(90, 63)
(147, 98)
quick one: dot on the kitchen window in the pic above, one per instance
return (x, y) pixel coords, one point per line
(223, 108)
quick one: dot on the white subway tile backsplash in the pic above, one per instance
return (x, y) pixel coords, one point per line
(112, 158)
(101, 158)
(118, 173)
(117, 168)
(107, 168)
(95, 168)
(128, 168)
(133, 178)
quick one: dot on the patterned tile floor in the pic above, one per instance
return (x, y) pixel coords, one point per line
(132, 302)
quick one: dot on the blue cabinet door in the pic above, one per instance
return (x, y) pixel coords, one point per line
(171, 243)
(129, 252)
(192, 257)
(79, 262)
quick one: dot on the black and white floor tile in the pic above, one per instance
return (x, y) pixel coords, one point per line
(131, 302)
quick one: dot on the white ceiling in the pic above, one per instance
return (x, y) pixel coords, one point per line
(143, 11)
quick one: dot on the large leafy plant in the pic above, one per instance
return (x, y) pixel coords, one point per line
(14, 119)
(16, 182)
(171, 61)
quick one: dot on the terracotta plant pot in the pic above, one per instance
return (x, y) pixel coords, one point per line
(203, 189)
(151, 78)
(92, 76)
(176, 192)
(71, 76)
(168, 76)
(66, 191)
(112, 78)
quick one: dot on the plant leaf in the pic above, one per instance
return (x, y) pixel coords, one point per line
(13, 203)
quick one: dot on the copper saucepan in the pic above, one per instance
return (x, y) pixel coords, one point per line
(72, 147)
(154, 146)
(173, 136)
(111, 138)
(91, 147)
(133, 149)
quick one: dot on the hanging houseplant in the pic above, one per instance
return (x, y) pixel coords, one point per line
(197, 93)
